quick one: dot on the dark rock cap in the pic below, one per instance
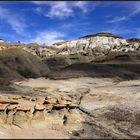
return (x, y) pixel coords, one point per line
(103, 34)
(133, 40)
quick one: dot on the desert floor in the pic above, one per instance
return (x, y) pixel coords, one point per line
(109, 103)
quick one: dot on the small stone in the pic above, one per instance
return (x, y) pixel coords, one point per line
(48, 97)
(51, 101)
(39, 106)
(12, 107)
(16, 97)
(40, 99)
(33, 99)
(24, 108)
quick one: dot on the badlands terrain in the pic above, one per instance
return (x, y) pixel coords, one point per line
(83, 88)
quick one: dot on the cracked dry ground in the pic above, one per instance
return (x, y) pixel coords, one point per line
(73, 108)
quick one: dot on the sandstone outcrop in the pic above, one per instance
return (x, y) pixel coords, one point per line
(22, 110)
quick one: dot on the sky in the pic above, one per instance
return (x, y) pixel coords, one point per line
(53, 21)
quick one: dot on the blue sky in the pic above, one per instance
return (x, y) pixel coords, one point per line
(49, 22)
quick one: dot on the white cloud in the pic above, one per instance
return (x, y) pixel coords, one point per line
(117, 19)
(54, 10)
(63, 9)
(15, 21)
(77, 24)
(48, 37)
(60, 10)
(39, 2)
(83, 5)
(132, 8)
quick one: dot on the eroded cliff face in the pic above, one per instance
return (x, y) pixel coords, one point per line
(98, 43)
(92, 48)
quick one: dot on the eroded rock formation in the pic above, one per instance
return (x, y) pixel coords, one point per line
(100, 43)
(19, 110)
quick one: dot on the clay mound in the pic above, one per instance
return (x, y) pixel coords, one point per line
(57, 62)
(124, 71)
(123, 65)
(16, 63)
(103, 34)
(123, 57)
(60, 62)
